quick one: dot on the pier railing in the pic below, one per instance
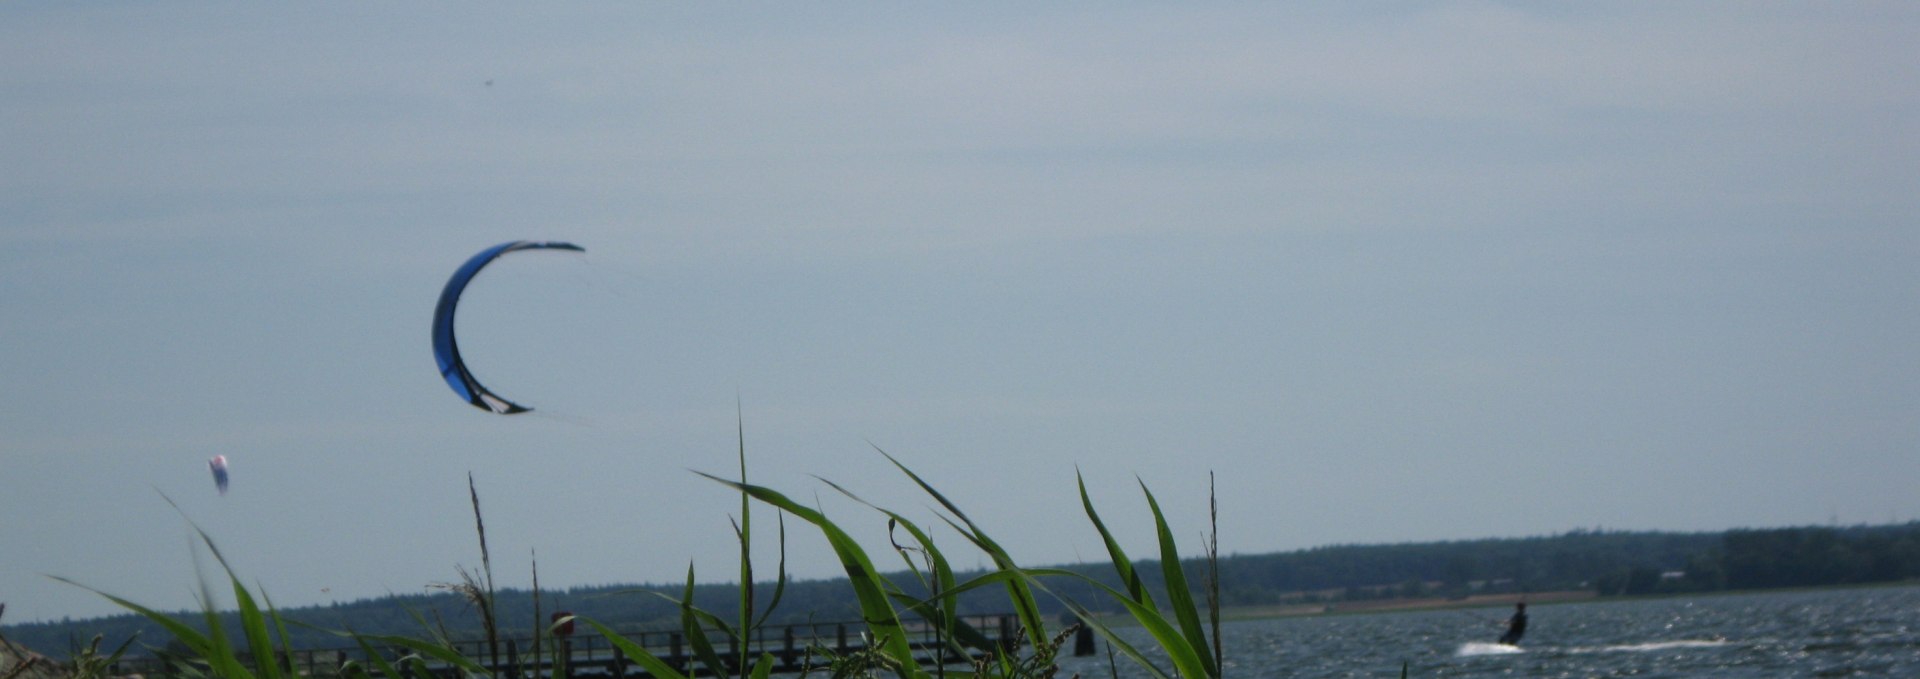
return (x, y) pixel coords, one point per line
(793, 647)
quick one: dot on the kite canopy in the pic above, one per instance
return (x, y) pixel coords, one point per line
(447, 353)
(219, 466)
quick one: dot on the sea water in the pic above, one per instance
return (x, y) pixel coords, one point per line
(1870, 632)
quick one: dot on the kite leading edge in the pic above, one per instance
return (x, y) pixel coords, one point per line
(447, 353)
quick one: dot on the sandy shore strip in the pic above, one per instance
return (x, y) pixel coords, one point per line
(1390, 605)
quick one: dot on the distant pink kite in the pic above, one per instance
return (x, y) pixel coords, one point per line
(219, 466)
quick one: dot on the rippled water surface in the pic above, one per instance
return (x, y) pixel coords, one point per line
(1836, 633)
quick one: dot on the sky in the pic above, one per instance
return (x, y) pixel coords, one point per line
(1377, 272)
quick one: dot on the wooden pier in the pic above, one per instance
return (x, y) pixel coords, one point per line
(793, 647)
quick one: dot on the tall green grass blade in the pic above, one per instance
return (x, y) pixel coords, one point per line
(121, 649)
(259, 641)
(959, 636)
(1179, 597)
(946, 601)
(438, 632)
(280, 625)
(1025, 607)
(253, 626)
(1213, 573)
(963, 635)
(222, 659)
(441, 652)
(540, 626)
(1024, 604)
(196, 642)
(696, 633)
(745, 533)
(780, 575)
(764, 667)
(485, 603)
(559, 669)
(1124, 566)
(655, 667)
(379, 662)
(868, 587)
(1186, 661)
(943, 582)
(418, 669)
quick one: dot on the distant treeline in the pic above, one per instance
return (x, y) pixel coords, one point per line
(1610, 562)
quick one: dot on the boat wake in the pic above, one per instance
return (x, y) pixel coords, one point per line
(1486, 648)
(1651, 646)
(1473, 648)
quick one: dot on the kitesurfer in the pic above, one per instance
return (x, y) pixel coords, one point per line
(1516, 625)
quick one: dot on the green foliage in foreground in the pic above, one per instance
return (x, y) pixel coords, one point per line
(261, 650)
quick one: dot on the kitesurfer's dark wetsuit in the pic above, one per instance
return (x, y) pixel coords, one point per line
(1516, 626)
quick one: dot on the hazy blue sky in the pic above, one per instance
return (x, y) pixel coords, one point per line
(1400, 271)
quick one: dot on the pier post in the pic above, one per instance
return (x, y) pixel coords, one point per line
(786, 647)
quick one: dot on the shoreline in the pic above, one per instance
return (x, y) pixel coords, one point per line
(1397, 605)
(1239, 613)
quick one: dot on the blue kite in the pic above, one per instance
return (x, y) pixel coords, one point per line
(447, 353)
